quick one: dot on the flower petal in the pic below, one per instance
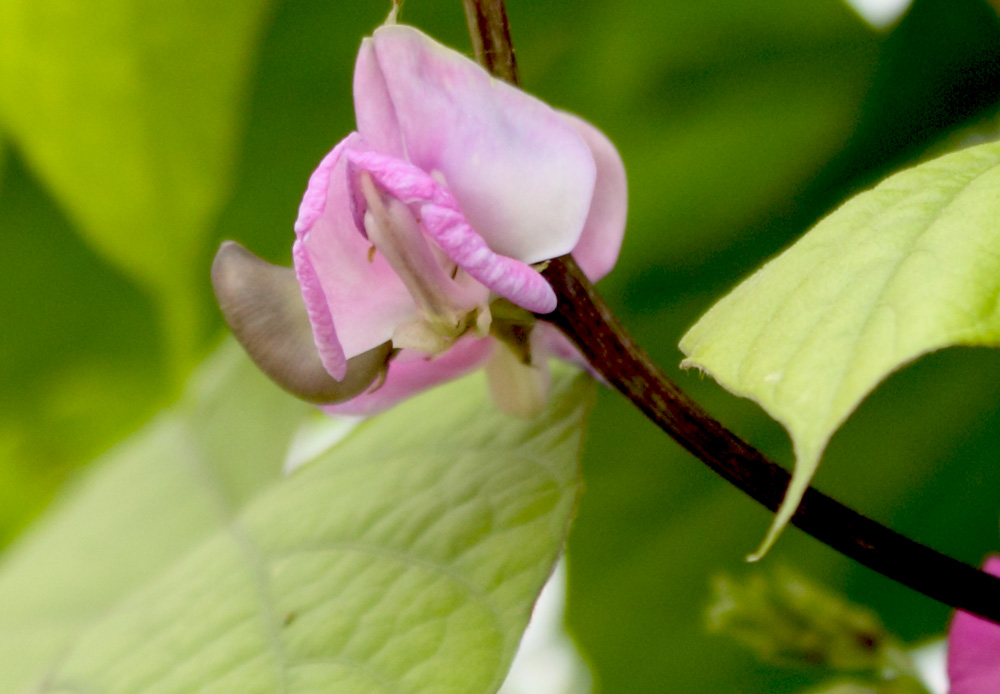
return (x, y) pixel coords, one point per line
(974, 649)
(601, 240)
(509, 278)
(400, 178)
(373, 109)
(314, 199)
(443, 222)
(521, 174)
(362, 296)
(331, 353)
(412, 372)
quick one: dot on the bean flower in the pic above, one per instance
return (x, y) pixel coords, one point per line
(974, 649)
(421, 236)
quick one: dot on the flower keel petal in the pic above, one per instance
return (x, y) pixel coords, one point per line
(444, 222)
(509, 278)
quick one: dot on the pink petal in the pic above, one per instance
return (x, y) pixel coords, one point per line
(373, 109)
(365, 299)
(521, 174)
(400, 178)
(974, 649)
(412, 372)
(331, 353)
(509, 278)
(601, 240)
(314, 199)
(443, 221)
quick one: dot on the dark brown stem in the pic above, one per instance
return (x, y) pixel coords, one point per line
(490, 35)
(586, 319)
(584, 316)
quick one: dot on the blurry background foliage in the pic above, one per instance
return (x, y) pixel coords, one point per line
(136, 134)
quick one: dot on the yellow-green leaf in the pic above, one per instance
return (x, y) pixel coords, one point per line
(129, 111)
(909, 267)
(405, 558)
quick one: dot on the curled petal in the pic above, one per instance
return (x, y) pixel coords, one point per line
(314, 199)
(397, 236)
(520, 172)
(601, 240)
(974, 649)
(401, 179)
(412, 372)
(509, 278)
(444, 222)
(331, 353)
(342, 284)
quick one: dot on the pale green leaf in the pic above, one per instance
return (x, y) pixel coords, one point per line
(406, 558)
(128, 109)
(149, 499)
(906, 268)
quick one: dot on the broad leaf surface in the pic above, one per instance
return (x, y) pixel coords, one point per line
(129, 111)
(407, 558)
(146, 502)
(909, 267)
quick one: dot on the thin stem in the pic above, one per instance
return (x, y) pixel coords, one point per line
(586, 319)
(490, 35)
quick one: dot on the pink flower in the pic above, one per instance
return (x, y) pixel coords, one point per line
(974, 649)
(420, 236)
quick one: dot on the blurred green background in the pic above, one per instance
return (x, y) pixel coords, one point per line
(137, 134)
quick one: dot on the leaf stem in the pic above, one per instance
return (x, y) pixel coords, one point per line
(588, 321)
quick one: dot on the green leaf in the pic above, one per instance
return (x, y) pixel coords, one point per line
(129, 111)
(407, 558)
(909, 267)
